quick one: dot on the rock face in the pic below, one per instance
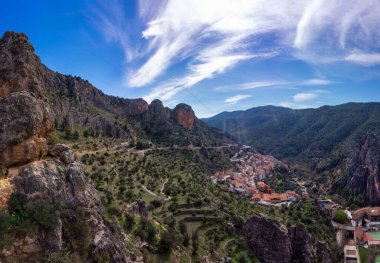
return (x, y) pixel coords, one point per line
(138, 208)
(184, 115)
(364, 169)
(58, 181)
(25, 122)
(71, 102)
(272, 243)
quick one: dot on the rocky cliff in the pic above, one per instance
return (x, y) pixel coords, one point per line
(73, 102)
(54, 209)
(363, 169)
(273, 243)
(59, 181)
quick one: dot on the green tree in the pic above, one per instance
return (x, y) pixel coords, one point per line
(4, 225)
(341, 216)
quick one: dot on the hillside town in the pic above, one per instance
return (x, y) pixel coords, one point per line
(251, 169)
(358, 231)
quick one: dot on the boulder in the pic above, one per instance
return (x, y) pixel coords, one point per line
(24, 125)
(57, 149)
(138, 208)
(67, 157)
(29, 150)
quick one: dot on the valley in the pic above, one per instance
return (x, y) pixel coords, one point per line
(88, 177)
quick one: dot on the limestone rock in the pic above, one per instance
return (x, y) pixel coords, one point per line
(45, 180)
(138, 208)
(272, 243)
(184, 115)
(67, 157)
(363, 168)
(57, 149)
(24, 124)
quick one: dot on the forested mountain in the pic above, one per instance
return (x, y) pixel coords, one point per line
(320, 137)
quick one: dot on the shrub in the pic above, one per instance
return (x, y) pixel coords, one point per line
(75, 229)
(129, 221)
(24, 214)
(43, 214)
(167, 240)
(15, 141)
(4, 225)
(341, 216)
(53, 139)
(146, 230)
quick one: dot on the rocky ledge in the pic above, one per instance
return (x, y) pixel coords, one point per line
(363, 169)
(60, 181)
(273, 243)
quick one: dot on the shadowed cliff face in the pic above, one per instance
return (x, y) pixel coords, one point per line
(363, 169)
(272, 243)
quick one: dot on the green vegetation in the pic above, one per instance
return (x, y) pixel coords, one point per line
(4, 225)
(341, 216)
(184, 207)
(15, 141)
(24, 214)
(363, 254)
(317, 138)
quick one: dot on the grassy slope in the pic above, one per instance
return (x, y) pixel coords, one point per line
(187, 198)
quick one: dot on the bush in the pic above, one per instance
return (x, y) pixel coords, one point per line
(146, 230)
(75, 229)
(4, 225)
(167, 240)
(15, 141)
(25, 213)
(53, 139)
(44, 214)
(142, 144)
(129, 221)
(341, 216)
(156, 203)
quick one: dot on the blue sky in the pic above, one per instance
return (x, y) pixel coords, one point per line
(216, 55)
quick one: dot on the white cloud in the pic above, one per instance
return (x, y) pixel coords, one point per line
(212, 36)
(237, 98)
(305, 96)
(275, 84)
(293, 105)
(316, 82)
(220, 29)
(365, 59)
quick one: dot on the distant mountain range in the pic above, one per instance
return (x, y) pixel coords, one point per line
(320, 138)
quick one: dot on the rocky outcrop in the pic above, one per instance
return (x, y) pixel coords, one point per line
(20, 68)
(273, 243)
(363, 169)
(25, 122)
(138, 208)
(184, 115)
(62, 182)
(157, 112)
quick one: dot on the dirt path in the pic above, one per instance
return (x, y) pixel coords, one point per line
(147, 190)
(163, 186)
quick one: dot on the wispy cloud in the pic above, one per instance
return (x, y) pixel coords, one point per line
(212, 36)
(236, 98)
(293, 105)
(275, 84)
(307, 96)
(110, 20)
(365, 59)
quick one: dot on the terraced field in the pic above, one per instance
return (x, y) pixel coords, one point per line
(175, 186)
